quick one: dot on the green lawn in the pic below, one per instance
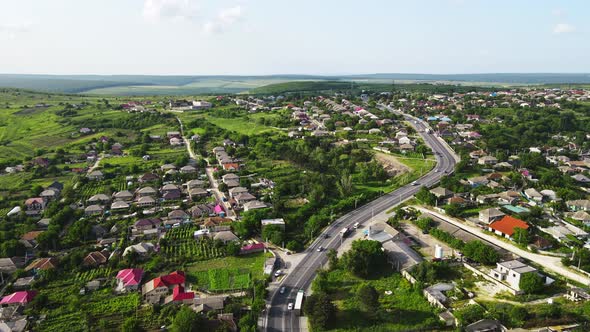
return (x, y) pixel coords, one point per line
(240, 125)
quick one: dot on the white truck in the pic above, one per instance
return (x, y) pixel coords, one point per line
(344, 232)
(298, 308)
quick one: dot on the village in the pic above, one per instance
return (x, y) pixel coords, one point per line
(185, 210)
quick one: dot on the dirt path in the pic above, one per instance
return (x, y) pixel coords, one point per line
(392, 166)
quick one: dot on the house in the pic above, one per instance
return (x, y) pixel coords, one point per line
(487, 161)
(95, 176)
(148, 223)
(576, 294)
(96, 258)
(477, 181)
(486, 325)
(512, 271)
(146, 201)
(280, 222)
(23, 283)
(142, 249)
(209, 303)
(441, 193)
(581, 178)
(20, 298)
(124, 195)
(533, 194)
(10, 265)
(233, 192)
(29, 239)
(93, 210)
(167, 167)
(197, 193)
(119, 205)
(49, 194)
(244, 198)
(154, 290)
(506, 226)
(34, 206)
(202, 210)
(129, 280)
(99, 199)
(230, 177)
(406, 147)
(179, 216)
(148, 177)
(253, 205)
(252, 248)
(225, 236)
(487, 216)
(188, 169)
(578, 205)
(582, 216)
(18, 325)
(146, 191)
(195, 184)
(170, 192)
(42, 264)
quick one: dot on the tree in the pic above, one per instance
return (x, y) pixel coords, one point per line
(521, 236)
(130, 325)
(425, 196)
(320, 310)
(332, 259)
(368, 297)
(480, 252)
(469, 314)
(345, 185)
(274, 234)
(365, 258)
(186, 320)
(530, 283)
(233, 248)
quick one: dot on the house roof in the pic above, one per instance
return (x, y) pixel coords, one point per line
(254, 246)
(31, 235)
(507, 224)
(225, 236)
(441, 192)
(147, 222)
(178, 294)
(43, 264)
(22, 297)
(96, 258)
(130, 277)
(174, 278)
(34, 200)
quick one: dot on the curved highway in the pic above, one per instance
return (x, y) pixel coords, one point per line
(278, 317)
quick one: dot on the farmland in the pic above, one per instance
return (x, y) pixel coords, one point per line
(182, 247)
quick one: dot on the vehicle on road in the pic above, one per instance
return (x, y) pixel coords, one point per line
(278, 273)
(326, 236)
(282, 290)
(290, 306)
(415, 183)
(356, 225)
(320, 249)
(344, 231)
(299, 302)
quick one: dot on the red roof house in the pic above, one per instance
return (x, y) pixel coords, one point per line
(18, 298)
(179, 295)
(252, 248)
(506, 226)
(129, 279)
(155, 289)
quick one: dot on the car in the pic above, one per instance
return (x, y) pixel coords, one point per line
(415, 183)
(290, 306)
(282, 290)
(326, 236)
(436, 170)
(356, 225)
(278, 273)
(320, 249)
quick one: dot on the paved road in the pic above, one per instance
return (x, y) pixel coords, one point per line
(278, 318)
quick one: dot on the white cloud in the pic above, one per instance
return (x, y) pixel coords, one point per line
(563, 28)
(12, 31)
(225, 18)
(156, 10)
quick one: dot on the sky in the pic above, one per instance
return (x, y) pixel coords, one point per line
(322, 37)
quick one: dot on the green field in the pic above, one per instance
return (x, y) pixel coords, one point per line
(228, 272)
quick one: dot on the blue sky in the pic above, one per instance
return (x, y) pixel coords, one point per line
(204, 37)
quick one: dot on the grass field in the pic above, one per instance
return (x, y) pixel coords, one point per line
(242, 125)
(227, 272)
